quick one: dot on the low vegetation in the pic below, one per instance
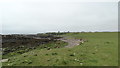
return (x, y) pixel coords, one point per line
(101, 49)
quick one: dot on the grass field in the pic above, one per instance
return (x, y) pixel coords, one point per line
(100, 50)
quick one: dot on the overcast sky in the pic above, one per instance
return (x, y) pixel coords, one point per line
(34, 16)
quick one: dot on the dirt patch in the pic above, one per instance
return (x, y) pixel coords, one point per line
(72, 42)
(4, 60)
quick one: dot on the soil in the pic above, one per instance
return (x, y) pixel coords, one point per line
(72, 42)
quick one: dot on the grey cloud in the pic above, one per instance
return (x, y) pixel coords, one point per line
(38, 16)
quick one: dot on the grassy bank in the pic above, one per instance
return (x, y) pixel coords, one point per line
(100, 50)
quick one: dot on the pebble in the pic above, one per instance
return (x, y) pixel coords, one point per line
(81, 63)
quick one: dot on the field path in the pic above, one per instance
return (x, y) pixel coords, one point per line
(71, 42)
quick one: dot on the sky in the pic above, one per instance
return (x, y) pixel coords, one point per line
(36, 16)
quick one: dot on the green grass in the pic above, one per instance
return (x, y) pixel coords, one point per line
(100, 50)
(49, 45)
